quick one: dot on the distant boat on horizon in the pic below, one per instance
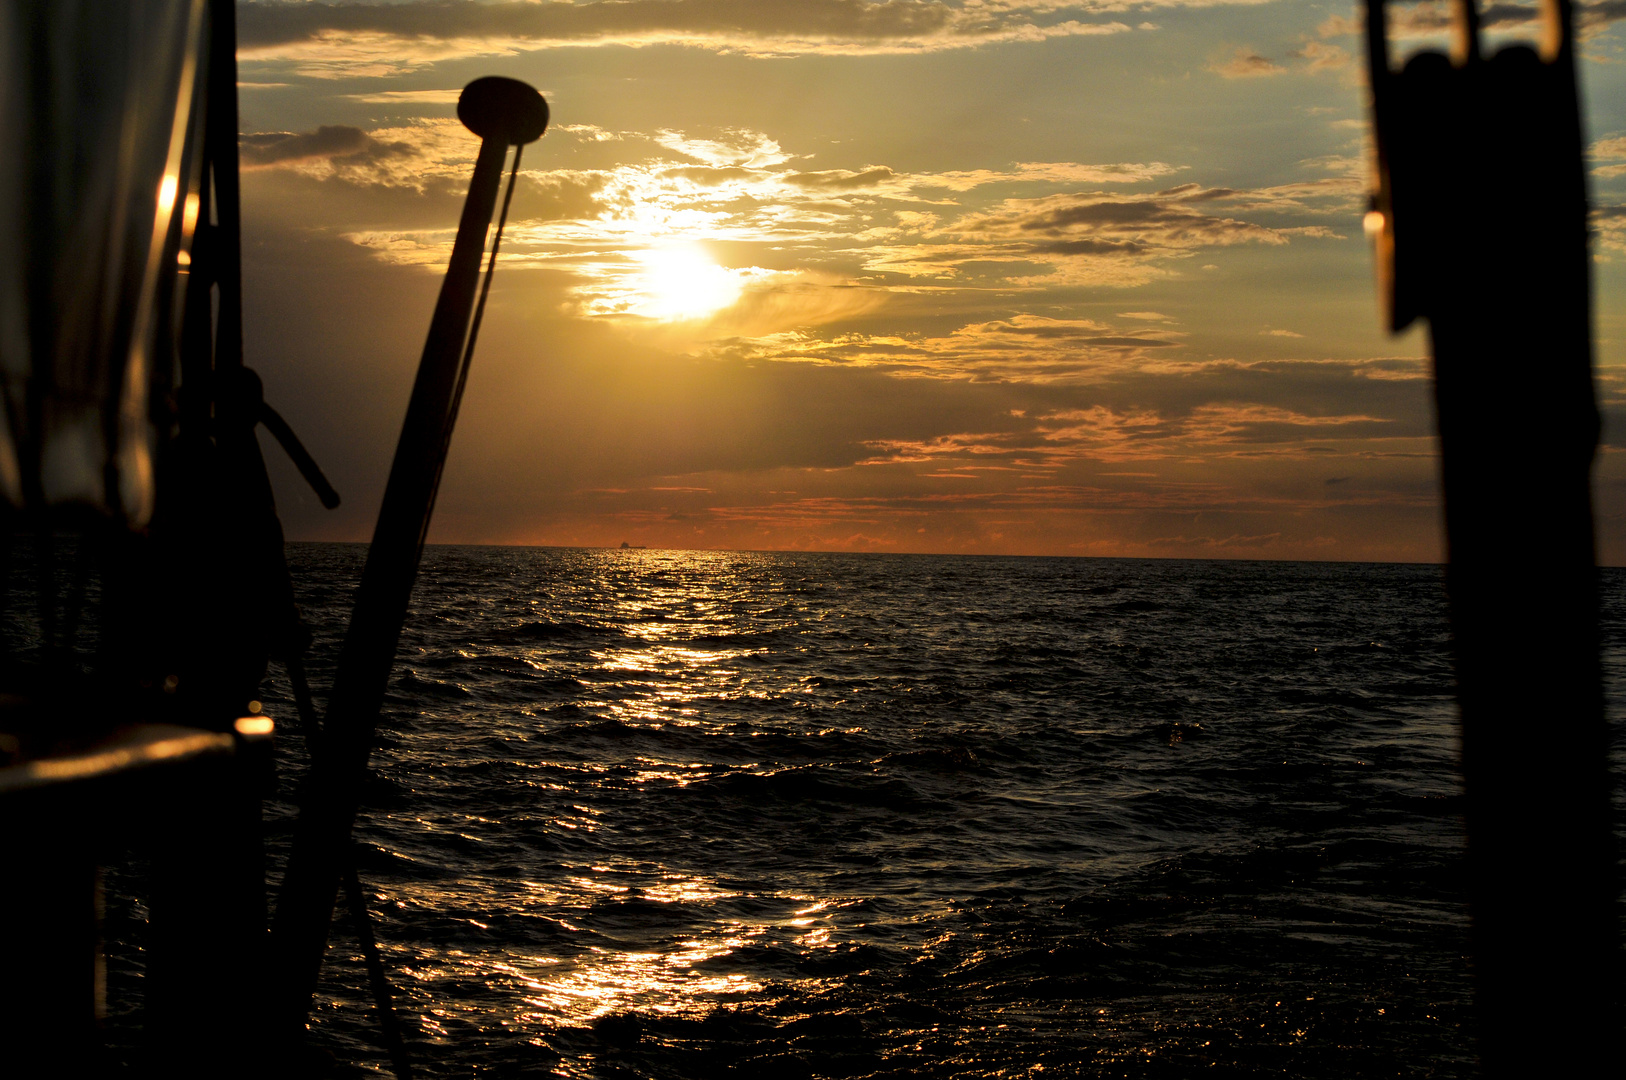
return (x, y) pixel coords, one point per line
(633, 547)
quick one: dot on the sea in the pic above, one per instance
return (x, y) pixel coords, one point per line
(672, 814)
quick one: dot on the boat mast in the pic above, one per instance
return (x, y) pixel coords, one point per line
(504, 113)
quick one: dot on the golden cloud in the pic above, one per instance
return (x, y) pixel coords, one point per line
(329, 39)
(805, 248)
(1245, 64)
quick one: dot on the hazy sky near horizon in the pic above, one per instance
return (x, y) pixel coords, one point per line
(980, 276)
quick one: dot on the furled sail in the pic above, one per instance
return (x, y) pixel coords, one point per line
(100, 110)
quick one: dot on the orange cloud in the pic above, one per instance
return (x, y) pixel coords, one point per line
(1245, 64)
(335, 39)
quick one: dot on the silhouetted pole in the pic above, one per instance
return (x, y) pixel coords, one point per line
(1481, 225)
(503, 113)
(214, 531)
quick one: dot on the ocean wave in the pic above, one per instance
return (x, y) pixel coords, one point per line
(910, 816)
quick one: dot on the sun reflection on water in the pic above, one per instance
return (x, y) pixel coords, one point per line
(665, 682)
(690, 805)
(574, 986)
(664, 981)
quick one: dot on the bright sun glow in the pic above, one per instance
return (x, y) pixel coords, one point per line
(682, 282)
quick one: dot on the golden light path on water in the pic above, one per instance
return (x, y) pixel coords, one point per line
(667, 981)
(677, 813)
(574, 987)
(575, 991)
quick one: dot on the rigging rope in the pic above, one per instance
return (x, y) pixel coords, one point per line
(474, 331)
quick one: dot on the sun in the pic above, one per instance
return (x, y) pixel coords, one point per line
(680, 281)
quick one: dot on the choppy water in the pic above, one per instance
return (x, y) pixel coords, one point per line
(685, 814)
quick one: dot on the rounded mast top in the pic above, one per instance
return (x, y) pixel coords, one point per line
(506, 109)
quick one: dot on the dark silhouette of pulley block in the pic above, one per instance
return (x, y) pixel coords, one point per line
(1477, 156)
(1480, 221)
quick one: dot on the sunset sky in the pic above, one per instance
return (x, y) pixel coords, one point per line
(978, 276)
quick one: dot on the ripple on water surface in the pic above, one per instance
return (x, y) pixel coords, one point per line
(692, 813)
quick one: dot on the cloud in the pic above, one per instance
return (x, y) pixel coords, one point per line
(1609, 150)
(409, 97)
(1319, 56)
(1245, 64)
(1215, 430)
(418, 154)
(1435, 17)
(795, 236)
(1146, 364)
(1209, 543)
(1129, 342)
(1180, 435)
(587, 132)
(353, 38)
(647, 446)
(1092, 247)
(1049, 172)
(260, 150)
(1023, 346)
(1600, 14)
(1609, 227)
(1099, 226)
(735, 147)
(912, 342)
(777, 303)
(841, 179)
